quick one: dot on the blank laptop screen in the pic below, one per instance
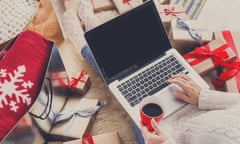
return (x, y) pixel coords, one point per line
(129, 41)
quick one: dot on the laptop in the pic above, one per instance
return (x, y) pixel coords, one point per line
(136, 59)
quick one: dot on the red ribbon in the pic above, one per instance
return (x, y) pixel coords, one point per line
(168, 11)
(218, 55)
(233, 69)
(128, 2)
(88, 137)
(73, 83)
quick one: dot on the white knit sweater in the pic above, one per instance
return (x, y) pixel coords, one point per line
(216, 120)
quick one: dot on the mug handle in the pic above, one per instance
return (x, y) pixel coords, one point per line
(48, 107)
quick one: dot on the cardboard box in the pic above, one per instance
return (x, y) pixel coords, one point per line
(106, 138)
(202, 61)
(170, 12)
(74, 125)
(192, 7)
(80, 82)
(125, 5)
(181, 37)
(233, 39)
(100, 5)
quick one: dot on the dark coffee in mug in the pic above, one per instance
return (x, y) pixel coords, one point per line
(152, 109)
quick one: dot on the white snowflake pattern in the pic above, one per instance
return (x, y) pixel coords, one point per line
(3, 73)
(15, 87)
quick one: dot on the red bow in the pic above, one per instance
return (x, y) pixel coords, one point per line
(168, 11)
(73, 83)
(126, 1)
(218, 56)
(233, 69)
(88, 137)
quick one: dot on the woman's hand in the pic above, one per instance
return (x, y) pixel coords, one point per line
(155, 137)
(191, 89)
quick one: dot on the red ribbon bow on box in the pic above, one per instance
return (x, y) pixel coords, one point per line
(73, 83)
(127, 1)
(233, 69)
(87, 137)
(201, 53)
(170, 11)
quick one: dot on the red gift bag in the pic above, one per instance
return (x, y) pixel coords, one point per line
(23, 64)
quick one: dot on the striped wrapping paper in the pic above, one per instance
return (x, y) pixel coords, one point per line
(192, 7)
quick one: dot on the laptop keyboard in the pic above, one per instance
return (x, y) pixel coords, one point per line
(150, 81)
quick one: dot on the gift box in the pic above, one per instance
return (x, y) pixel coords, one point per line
(188, 34)
(79, 78)
(73, 120)
(45, 125)
(80, 82)
(208, 57)
(23, 129)
(191, 7)
(231, 74)
(170, 12)
(100, 5)
(106, 138)
(53, 95)
(125, 5)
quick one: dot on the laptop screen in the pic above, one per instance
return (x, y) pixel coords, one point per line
(129, 41)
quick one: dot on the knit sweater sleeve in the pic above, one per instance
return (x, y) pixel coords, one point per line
(169, 141)
(210, 99)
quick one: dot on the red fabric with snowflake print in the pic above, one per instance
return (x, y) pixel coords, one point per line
(23, 64)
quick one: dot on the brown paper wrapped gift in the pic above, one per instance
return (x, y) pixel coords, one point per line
(80, 82)
(106, 138)
(23, 129)
(204, 59)
(185, 35)
(232, 81)
(72, 122)
(170, 12)
(125, 5)
(192, 7)
(45, 125)
(100, 5)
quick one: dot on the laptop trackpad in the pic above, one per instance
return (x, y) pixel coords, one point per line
(169, 101)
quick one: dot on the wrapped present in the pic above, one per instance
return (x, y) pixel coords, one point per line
(73, 120)
(53, 94)
(100, 5)
(24, 125)
(106, 138)
(206, 58)
(45, 125)
(191, 7)
(188, 34)
(125, 5)
(79, 79)
(80, 82)
(169, 12)
(59, 80)
(231, 74)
